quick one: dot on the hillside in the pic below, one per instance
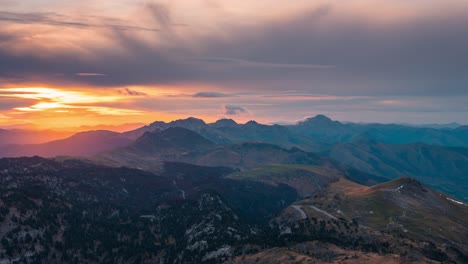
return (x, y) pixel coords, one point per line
(303, 178)
(153, 149)
(443, 168)
(77, 212)
(396, 214)
(73, 211)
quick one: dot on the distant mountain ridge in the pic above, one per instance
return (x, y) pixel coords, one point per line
(29, 136)
(81, 144)
(312, 133)
(431, 155)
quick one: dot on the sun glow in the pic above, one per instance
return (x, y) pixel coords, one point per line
(56, 95)
(52, 106)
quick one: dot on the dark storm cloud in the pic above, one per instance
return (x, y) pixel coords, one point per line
(317, 51)
(424, 55)
(141, 63)
(234, 110)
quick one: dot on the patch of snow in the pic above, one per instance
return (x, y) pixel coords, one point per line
(198, 245)
(457, 202)
(199, 230)
(224, 251)
(399, 188)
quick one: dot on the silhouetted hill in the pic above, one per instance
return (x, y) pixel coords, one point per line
(191, 123)
(81, 144)
(225, 123)
(23, 136)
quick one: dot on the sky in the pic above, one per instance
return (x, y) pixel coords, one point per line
(72, 63)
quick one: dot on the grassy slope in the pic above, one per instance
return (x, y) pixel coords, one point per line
(304, 178)
(402, 206)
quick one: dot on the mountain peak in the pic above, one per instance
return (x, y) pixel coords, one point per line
(225, 123)
(322, 118)
(252, 122)
(319, 120)
(414, 186)
(190, 122)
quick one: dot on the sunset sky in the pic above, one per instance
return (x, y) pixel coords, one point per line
(71, 63)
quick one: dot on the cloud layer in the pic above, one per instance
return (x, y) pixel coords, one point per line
(387, 51)
(321, 50)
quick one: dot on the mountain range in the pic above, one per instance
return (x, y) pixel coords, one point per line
(192, 192)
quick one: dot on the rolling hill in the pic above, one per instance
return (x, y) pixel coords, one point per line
(443, 168)
(177, 144)
(392, 216)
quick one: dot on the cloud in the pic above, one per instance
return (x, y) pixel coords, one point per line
(321, 50)
(9, 102)
(161, 13)
(234, 110)
(90, 74)
(49, 99)
(128, 91)
(249, 63)
(55, 19)
(211, 95)
(7, 36)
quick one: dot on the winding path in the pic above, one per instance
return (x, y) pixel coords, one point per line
(301, 212)
(323, 212)
(181, 191)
